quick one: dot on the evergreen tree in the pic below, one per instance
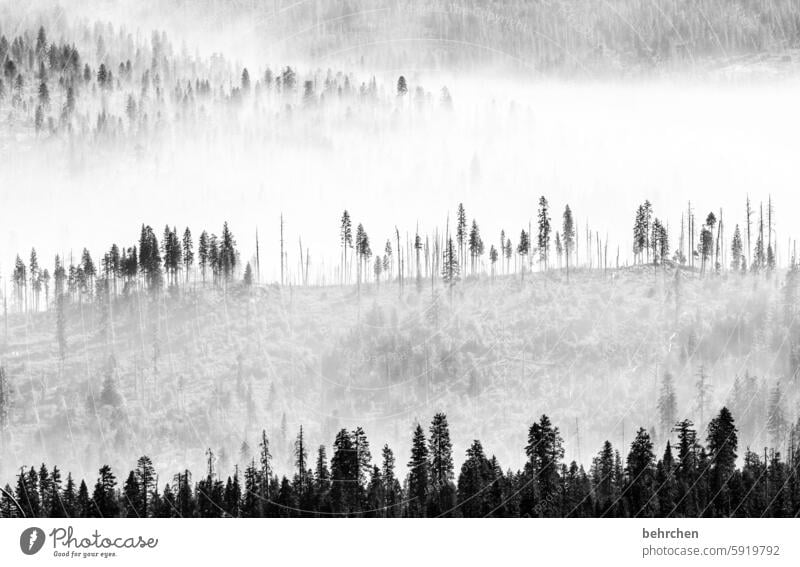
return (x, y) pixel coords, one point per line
(737, 259)
(641, 473)
(402, 87)
(84, 506)
(392, 491)
(722, 443)
(461, 232)
(450, 266)
(776, 420)
(568, 236)
(440, 451)
(523, 248)
(188, 252)
(203, 253)
(544, 232)
(475, 474)
(345, 493)
(145, 478)
(667, 404)
(104, 497)
(544, 451)
(687, 470)
(418, 474)
(27, 493)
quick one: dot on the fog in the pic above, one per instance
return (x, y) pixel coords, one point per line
(496, 140)
(600, 148)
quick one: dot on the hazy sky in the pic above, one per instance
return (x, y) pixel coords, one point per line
(602, 148)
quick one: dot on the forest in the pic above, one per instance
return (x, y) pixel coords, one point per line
(177, 343)
(691, 479)
(369, 236)
(566, 37)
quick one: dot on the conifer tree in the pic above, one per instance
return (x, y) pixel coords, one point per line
(345, 493)
(188, 252)
(418, 474)
(450, 266)
(523, 248)
(736, 250)
(544, 451)
(776, 419)
(402, 87)
(472, 482)
(346, 240)
(440, 451)
(667, 404)
(104, 497)
(722, 444)
(392, 491)
(641, 472)
(544, 232)
(203, 253)
(568, 236)
(461, 233)
(145, 478)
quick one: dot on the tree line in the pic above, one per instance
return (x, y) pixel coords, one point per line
(691, 478)
(107, 86)
(448, 256)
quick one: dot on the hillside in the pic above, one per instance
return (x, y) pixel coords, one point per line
(201, 367)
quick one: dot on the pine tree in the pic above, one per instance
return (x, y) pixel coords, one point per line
(544, 451)
(402, 87)
(523, 248)
(686, 470)
(722, 444)
(641, 471)
(472, 483)
(203, 253)
(69, 499)
(440, 452)
(363, 457)
(418, 475)
(704, 389)
(322, 476)
(461, 233)
(300, 463)
(568, 236)
(104, 497)
(475, 245)
(450, 266)
(667, 404)
(84, 506)
(544, 232)
(737, 259)
(188, 252)
(132, 498)
(393, 491)
(265, 460)
(604, 481)
(345, 491)
(346, 240)
(145, 478)
(376, 494)
(776, 419)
